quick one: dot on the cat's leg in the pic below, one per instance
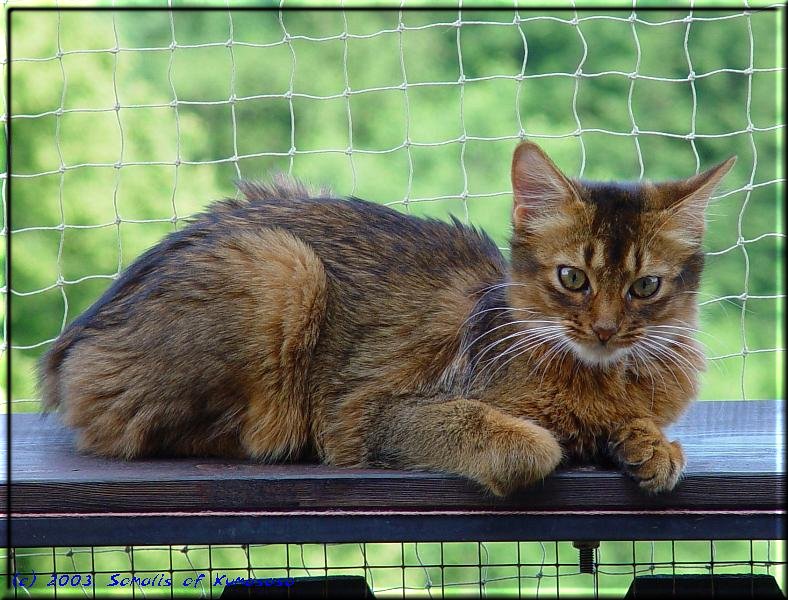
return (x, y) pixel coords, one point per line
(212, 362)
(464, 437)
(644, 453)
(291, 304)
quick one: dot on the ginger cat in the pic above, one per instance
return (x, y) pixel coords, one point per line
(289, 325)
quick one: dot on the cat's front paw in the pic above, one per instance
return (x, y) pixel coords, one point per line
(519, 456)
(647, 456)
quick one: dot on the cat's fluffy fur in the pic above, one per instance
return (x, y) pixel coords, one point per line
(289, 325)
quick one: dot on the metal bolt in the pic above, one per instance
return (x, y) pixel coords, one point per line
(586, 555)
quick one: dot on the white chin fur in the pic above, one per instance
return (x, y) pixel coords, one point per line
(597, 356)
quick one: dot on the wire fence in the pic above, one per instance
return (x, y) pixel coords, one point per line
(124, 124)
(759, 172)
(425, 569)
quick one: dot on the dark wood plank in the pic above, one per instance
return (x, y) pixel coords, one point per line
(348, 527)
(735, 463)
(736, 447)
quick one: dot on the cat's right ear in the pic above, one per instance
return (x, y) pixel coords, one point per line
(538, 185)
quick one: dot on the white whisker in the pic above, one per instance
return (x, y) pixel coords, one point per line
(525, 346)
(681, 344)
(564, 346)
(670, 355)
(518, 334)
(505, 308)
(650, 353)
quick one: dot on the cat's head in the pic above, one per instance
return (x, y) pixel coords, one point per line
(605, 268)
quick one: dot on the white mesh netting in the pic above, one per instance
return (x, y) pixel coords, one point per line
(94, 121)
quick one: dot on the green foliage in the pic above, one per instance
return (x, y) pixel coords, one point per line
(113, 214)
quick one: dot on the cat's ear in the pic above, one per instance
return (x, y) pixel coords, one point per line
(687, 200)
(537, 183)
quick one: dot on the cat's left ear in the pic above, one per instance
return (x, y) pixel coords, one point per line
(688, 199)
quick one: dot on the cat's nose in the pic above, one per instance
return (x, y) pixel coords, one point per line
(604, 331)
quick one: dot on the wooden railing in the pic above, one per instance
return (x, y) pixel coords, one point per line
(733, 488)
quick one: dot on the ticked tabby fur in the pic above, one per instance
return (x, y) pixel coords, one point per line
(290, 325)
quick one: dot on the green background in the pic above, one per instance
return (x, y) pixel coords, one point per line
(357, 142)
(76, 229)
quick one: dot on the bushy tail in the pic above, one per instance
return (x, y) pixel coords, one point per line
(49, 369)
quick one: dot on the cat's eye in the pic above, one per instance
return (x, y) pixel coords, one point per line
(572, 279)
(645, 286)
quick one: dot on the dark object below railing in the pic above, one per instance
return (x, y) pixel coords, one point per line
(733, 489)
(337, 587)
(700, 587)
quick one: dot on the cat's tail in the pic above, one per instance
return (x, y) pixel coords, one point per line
(49, 369)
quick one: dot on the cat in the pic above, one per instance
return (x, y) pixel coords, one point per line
(292, 324)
